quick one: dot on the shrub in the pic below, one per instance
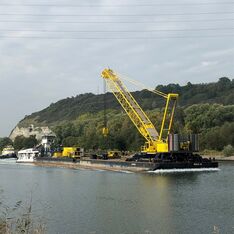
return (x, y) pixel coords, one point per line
(228, 150)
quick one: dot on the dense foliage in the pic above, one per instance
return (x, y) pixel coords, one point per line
(206, 109)
(214, 123)
(5, 141)
(21, 142)
(228, 150)
(221, 92)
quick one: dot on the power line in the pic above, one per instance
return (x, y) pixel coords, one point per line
(116, 5)
(115, 15)
(115, 22)
(112, 31)
(116, 38)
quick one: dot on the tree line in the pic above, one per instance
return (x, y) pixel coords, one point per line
(214, 124)
(19, 143)
(68, 109)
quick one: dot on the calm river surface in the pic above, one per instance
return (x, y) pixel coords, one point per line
(89, 201)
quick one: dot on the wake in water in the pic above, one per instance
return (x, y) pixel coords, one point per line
(183, 170)
(118, 171)
(126, 172)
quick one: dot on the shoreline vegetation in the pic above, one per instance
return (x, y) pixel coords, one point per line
(19, 218)
(221, 158)
(219, 155)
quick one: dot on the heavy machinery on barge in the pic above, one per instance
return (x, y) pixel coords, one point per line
(163, 148)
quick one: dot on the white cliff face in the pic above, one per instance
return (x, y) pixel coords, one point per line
(30, 131)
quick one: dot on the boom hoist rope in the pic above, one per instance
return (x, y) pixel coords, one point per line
(171, 101)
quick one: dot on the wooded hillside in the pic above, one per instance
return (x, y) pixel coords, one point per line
(207, 109)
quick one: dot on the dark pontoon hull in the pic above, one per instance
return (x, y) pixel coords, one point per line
(136, 166)
(175, 160)
(184, 165)
(8, 156)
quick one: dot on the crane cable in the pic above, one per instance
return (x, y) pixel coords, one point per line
(139, 84)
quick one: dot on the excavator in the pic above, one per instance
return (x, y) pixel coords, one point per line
(166, 149)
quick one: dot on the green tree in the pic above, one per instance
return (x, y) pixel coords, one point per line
(30, 142)
(4, 142)
(200, 117)
(21, 142)
(228, 150)
(70, 141)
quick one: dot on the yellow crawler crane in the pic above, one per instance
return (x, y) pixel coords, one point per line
(155, 142)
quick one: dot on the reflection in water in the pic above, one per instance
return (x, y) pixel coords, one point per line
(157, 196)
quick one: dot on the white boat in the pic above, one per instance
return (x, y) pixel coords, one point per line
(27, 155)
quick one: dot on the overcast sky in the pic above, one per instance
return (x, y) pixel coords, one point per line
(172, 42)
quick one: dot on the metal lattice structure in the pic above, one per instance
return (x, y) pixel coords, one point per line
(155, 142)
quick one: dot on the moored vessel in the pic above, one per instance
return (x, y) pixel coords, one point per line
(8, 152)
(27, 155)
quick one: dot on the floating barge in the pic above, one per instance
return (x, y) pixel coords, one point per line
(120, 165)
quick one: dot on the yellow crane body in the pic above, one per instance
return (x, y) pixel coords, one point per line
(72, 152)
(155, 142)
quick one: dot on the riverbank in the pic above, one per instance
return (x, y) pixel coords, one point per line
(222, 158)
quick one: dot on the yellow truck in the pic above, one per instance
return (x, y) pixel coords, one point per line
(71, 152)
(114, 154)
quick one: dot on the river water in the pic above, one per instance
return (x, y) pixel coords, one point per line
(94, 201)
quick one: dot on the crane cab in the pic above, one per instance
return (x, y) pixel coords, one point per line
(156, 147)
